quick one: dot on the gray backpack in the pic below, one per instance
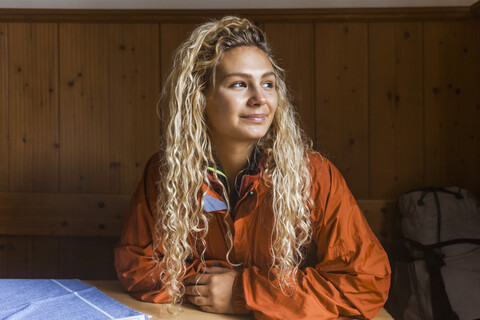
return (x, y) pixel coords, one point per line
(439, 275)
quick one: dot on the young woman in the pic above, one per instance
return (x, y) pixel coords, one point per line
(236, 214)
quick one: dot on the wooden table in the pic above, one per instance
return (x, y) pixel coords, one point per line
(114, 290)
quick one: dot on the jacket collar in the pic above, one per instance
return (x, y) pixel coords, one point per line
(251, 173)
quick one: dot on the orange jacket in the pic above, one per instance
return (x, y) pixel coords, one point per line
(346, 273)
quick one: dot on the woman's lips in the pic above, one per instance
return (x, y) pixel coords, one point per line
(255, 117)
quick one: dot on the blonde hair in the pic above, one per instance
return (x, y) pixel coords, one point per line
(181, 221)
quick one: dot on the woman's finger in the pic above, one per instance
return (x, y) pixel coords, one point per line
(200, 301)
(197, 279)
(194, 290)
(208, 270)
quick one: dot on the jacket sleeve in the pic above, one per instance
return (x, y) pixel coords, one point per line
(350, 277)
(136, 269)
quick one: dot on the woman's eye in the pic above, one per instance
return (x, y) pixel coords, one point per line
(238, 84)
(268, 84)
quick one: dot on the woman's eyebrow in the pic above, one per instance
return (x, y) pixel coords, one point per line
(247, 75)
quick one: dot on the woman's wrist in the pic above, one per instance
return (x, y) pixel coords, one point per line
(238, 295)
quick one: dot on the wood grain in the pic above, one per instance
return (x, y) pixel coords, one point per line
(33, 107)
(115, 290)
(342, 100)
(17, 254)
(3, 257)
(60, 235)
(396, 108)
(87, 257)
(43, 256)
(452, 104)
(171, 36)
(299, 66)
(4, 125)
(133, 69)
(267, 15)
(475, 9)
(94, 215)
(85, 115)
(57, 257)
(381, 215)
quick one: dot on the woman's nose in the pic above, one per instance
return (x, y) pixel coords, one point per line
(257, 97)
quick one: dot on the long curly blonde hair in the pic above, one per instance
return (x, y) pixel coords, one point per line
(186, 148)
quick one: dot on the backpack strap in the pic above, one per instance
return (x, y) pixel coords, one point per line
(432, 246)
(441, 307)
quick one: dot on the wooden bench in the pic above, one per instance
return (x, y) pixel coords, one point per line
(73, 235)
(102, 215)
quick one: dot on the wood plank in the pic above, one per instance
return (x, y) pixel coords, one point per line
(475, 10)
(62, 214)
(101, 215)
(381, 215)
(4, 126)
(3, 257)
(59, 235)
(285, 40)
(18, 255)
(87, 257)
(57, 257)
(134, 87)
(342, 100)
(84, 117)
(452, 104)
(396, 108)
(171, 36)
(115, 290)
(33, 107)
(44, 257)
(267, 15)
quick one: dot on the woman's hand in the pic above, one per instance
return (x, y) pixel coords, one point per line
(212, 291)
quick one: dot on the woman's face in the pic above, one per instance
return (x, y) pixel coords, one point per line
(242, 103)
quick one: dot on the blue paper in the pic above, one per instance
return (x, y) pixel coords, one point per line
(59, 299)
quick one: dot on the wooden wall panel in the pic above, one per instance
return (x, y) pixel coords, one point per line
(93, 215)
(87, 258)
(475, 9)
(42, 254)
(84, 114)
(16, 255)
(286, 39)
(396, 108)
(133, 92)
(342, 100)
(171, 36)
(4, 126)
(30, 257)
(110, 85)
(369, 96)
(452, 104)
(3, 257)
(33, 106)
(56, 257)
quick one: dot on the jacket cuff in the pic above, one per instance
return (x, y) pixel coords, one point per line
(238, 295)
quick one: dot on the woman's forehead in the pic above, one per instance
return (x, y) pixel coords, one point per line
(243, 60)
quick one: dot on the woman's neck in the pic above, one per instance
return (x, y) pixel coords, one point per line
(233, 157)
